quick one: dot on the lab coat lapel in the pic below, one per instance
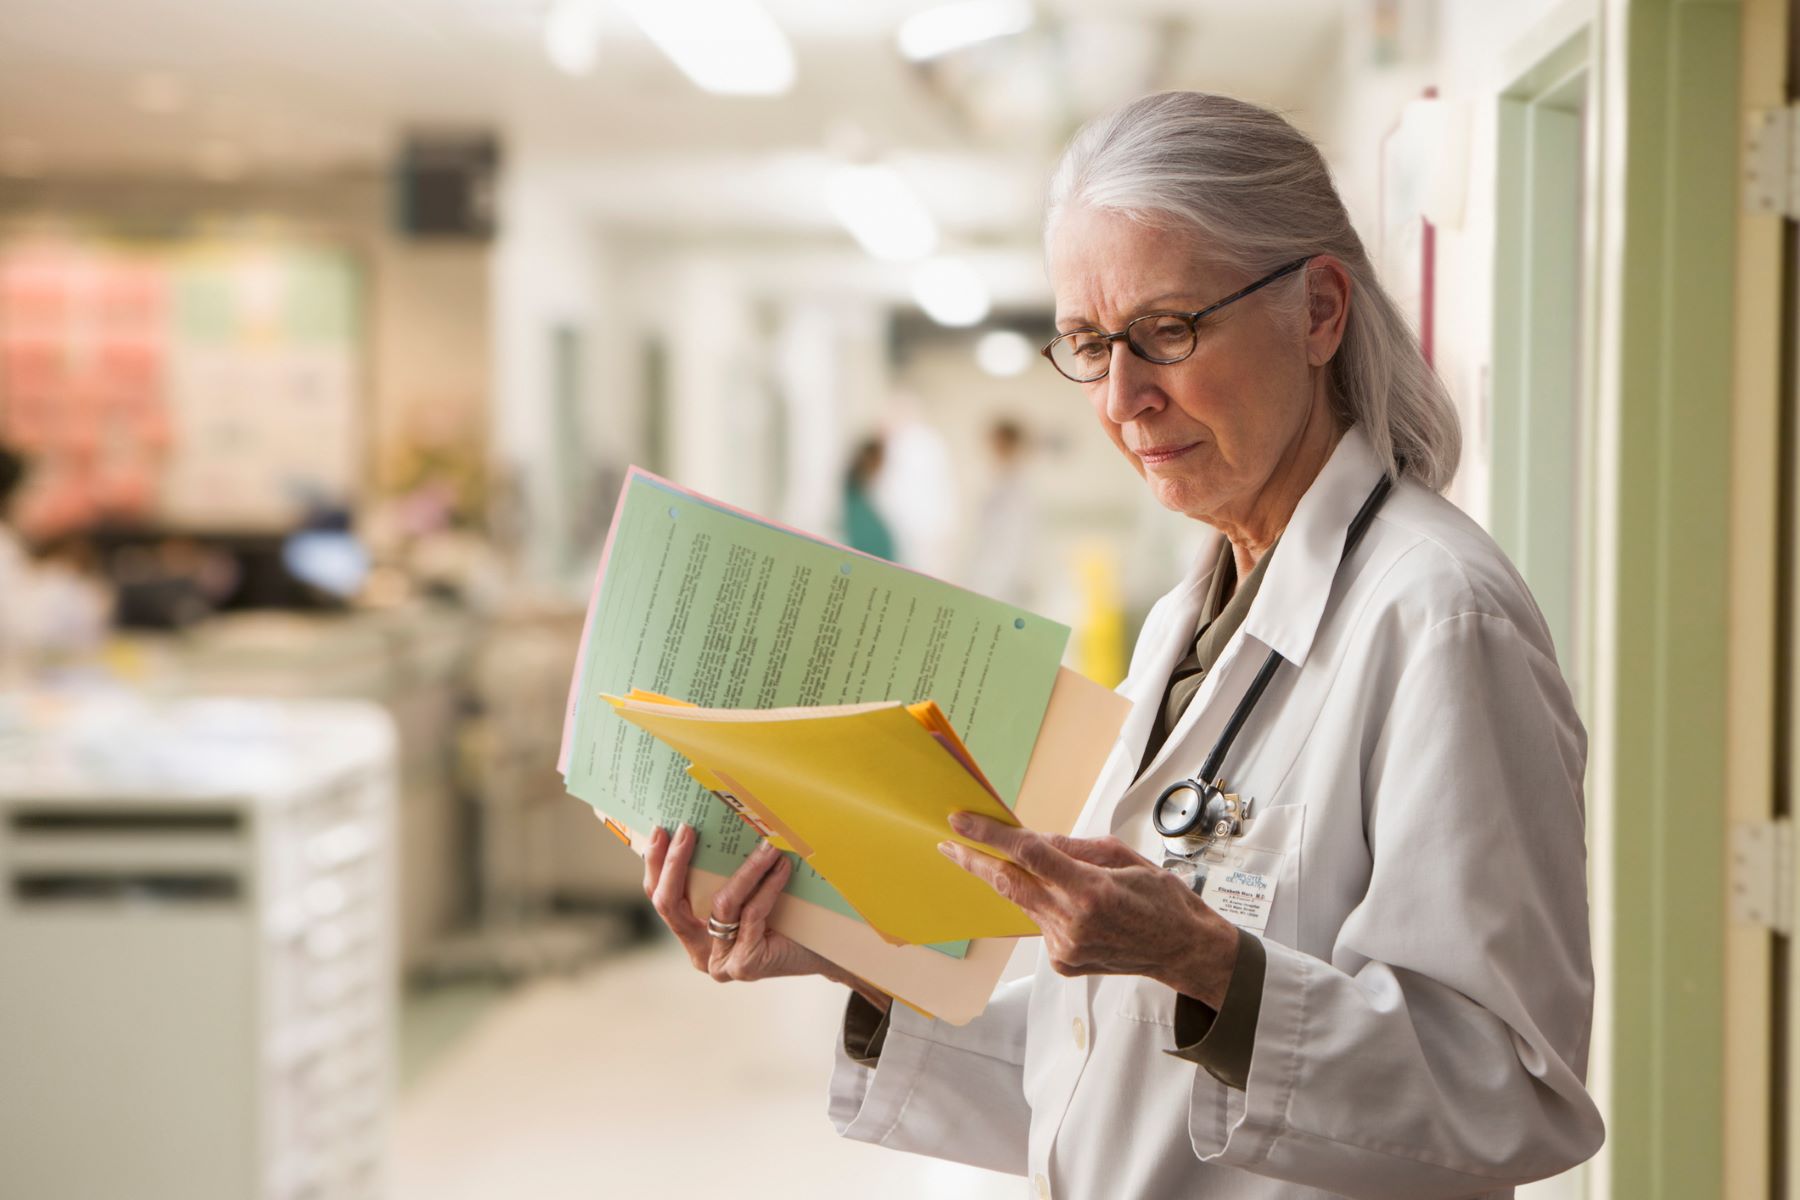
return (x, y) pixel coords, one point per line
(1297, 586)
(1285, 617)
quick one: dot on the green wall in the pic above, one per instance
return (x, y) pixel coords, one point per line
(1681, 138)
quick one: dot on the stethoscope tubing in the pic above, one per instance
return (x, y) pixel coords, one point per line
(1210, 769)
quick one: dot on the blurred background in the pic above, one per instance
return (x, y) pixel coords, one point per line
(329, 330)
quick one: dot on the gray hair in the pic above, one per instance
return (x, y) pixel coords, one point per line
(1257, 193)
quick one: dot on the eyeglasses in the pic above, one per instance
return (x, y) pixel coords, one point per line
(1085, 355)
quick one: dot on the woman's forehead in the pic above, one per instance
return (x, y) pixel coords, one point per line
(1106, 264)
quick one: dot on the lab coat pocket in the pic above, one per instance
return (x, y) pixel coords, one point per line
(1256, 886)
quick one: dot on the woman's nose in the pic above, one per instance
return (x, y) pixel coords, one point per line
(1132, 388)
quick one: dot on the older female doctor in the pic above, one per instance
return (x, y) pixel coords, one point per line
(1400, 1006)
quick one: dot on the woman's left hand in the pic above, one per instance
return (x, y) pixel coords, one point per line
(1104, 908)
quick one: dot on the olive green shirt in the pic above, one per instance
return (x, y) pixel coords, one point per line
(1221, 614)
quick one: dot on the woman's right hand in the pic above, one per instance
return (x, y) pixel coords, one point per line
(747, 899)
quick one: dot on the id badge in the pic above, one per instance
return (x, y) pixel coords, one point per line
(1240, 884)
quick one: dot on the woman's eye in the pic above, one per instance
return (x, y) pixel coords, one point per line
(1169, 333)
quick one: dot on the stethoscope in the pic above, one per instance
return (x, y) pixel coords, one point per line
(1197, 815)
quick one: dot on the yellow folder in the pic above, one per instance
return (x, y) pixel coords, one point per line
(862, 792)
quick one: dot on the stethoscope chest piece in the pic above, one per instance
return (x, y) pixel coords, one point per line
(1191, 811)
(1197, 820)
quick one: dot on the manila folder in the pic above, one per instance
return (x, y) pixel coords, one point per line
(1080, 726)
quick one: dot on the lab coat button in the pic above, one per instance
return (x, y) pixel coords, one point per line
(1080, 1029)
(1043, 1186)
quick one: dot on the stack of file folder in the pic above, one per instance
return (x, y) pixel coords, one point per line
(752, 681)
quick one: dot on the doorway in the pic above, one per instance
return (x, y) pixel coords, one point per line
(1541, 436)
(1542, 379)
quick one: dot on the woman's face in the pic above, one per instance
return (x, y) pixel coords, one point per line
(1207, 433)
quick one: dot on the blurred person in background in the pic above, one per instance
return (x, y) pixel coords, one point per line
(13, 469)
(864, 527)
(52, 605)
(916, 490)
(1399, 1002)
(1003, 556)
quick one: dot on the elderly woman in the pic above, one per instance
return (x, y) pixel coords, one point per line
(1389, 994)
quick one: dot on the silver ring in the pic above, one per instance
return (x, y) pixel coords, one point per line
(725, 931)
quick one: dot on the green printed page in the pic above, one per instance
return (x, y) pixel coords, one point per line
(704, 603)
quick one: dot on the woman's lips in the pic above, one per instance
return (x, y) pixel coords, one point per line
(1152, 455)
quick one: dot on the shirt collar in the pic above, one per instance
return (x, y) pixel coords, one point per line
(1290, 604)
(1219, 619)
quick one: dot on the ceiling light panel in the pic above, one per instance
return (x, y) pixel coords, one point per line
(572, 35)
(951, 292)
(949, 27)
(881, 212)
(729, 47)
(1003, 353)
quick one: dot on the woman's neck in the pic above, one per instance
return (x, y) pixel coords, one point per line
(1257, 529)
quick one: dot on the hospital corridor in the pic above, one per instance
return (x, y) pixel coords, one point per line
(945, 599)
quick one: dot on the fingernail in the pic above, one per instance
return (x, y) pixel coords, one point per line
(948, 850)
(763, 849)
(687, 831)
(963, 823)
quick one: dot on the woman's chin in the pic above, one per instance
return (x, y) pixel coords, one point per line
(1181, 493)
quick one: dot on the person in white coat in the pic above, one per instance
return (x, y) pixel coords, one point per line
(1004, 546)
(49, 611)
(1386, 989)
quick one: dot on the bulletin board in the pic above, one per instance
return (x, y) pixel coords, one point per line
(193, 386)
(1424, 179)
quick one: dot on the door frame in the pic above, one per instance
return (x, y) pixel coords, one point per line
(1546, 416)
(1543, 334)
(1757, 1159)
(1668, 556)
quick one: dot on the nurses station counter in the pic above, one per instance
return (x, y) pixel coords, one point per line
(412, 663)
(196, 922)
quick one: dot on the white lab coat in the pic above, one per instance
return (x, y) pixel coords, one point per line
(1429, 990)
(46, 612)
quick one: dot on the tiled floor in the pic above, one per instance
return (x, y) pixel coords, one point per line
(643, 1078)
(435, 1021)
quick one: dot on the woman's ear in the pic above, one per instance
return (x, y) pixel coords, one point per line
(1328, 289)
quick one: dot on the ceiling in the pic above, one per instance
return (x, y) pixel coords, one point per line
(278, 87)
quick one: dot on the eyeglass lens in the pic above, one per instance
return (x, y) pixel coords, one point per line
(1085, 355)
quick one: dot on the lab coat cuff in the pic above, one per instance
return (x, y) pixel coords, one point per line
(1222, 1042)
(867, 1100)
(1241, 1128)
